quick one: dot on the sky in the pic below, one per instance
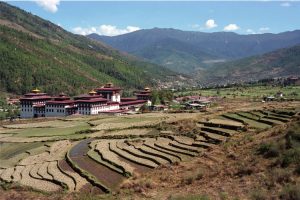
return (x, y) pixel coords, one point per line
(119, 17)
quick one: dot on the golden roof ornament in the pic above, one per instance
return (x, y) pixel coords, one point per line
(35, 90)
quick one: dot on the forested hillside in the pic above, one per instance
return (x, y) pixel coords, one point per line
(37, 53)
(283, 62)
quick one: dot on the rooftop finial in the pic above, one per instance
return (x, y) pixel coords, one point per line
(147, 89)
(109, 85)
(35, 90)
(92, 92)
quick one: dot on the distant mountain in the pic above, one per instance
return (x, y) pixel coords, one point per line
(279, 63)
(37, 53)
(187, 51)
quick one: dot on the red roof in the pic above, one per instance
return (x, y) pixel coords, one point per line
(44, 97)
(94, 100)
(87, 96)
(60, 102)
(112, 103)
(60, 98)
(114, 111)
(108, 89)
(136, 102)
(127, 99)
(143, 92)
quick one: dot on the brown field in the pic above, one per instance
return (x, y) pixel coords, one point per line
(142, 156)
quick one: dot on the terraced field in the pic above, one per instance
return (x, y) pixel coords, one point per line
(97, 154)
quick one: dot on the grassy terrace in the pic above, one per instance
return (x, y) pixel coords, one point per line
(216, 138)
(110, 155)
(11, 154)
(252, 92)
(252, 123)
(60, 131)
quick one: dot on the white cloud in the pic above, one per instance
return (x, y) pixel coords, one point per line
(231, 27)
(285, 4)
(250, 31)
(210, 24)
(108, 30)
(264, 29)
(48, 5)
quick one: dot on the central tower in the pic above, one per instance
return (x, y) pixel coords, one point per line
(110, 92)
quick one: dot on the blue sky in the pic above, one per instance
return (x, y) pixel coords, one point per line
(114, 18)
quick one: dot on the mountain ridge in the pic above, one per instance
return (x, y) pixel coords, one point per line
(205, 46)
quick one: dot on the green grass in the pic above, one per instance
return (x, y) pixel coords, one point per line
(250, 92)
(124, 120)
(11, 162)
(12, 153)
(9, 150)
(273, 121)
(40, 132)
(252, 123)
(45, 124)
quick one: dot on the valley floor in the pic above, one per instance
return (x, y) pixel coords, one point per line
(249, 151)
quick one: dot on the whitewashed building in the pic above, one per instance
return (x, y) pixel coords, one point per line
(110, 92)
(93, 104)
(33, 104)
(106, 99)
(61, 106)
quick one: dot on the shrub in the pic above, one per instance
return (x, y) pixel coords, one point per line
(258, 194)
(223, 196)
(199, 175)
(263, 148)
(295, 135)
(291, 156)
(269, 150)
(290, 192)
(244, 171)
(281, 176)
(188, 180)
(297, 170)
(190, 197)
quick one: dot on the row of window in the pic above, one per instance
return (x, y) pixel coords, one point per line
(26, 105)
(91, 105)
(55, 106)
(58, 110)
(84, 113)
(26, 110)
(42, 111)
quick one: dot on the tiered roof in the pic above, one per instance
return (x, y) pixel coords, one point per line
(36, 95)
(109, 87)
(92, 100)
(135, 102)
(145, 92)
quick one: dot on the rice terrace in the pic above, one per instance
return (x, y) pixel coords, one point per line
(102, 154)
